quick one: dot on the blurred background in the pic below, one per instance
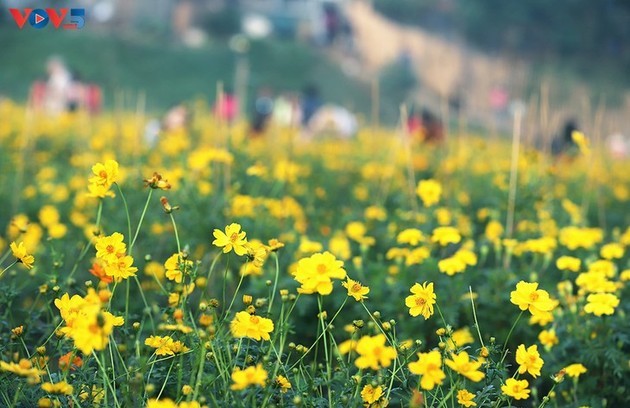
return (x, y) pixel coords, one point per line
(473, 61)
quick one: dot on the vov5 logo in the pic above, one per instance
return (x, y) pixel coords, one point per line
(39, 18)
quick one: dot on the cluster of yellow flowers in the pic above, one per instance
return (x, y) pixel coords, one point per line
(111, 252)
(87, 323)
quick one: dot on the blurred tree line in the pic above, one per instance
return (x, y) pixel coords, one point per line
(574, 30)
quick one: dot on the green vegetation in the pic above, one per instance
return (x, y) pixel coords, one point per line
(169, 73)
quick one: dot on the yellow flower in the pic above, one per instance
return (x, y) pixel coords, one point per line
(356, 290)
(581, 141)
(568, 263)
(462, 364)
(527, 296)
(252, 375)
(429, 366)
(494, 230)
(416, 256)
(58, 388)
(121, 269)
(232, 239)
(165, 346)
(283, 383)
(20, 253)
(574, 370)
(24, 368)
(315, 273)
(163, 403)
(105, 173)
(91, 332)
(373, 353)
(576, 237)
(529, 360)
(612, 251)
(104, 176)
(595, 282)
(446, 235)
(371, 394)
(340, 247)
(422, 300)
(548, 338)
(516, 389)
(252, 326)
(411, 236)
(176, 266)
(429, 192)
(459, 338)
(601, 304)
(110, 248)
(465, 398)
(355, 230)
(451, 266)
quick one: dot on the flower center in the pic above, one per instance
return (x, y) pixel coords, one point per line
(321, 268)
(234, 237)
(356, 287)
(533, 296)
(420, 302)
(254, 319)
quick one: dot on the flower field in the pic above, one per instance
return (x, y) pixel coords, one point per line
(207, 269)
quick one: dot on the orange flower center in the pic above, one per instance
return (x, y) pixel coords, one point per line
(102, 174)
(110, 248)
(356, 287)
(234, 237)
(254, 319)
(533, 296)
(321, 268)
(420, 301)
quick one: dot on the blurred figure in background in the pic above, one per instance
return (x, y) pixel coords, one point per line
(311, 102)
(563, 144)
(58, 86)
(263, 108)
(331, 121)
(286, 110)
(226, 108)
(425, 126)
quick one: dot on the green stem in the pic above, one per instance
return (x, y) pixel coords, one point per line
(472, 302)
(275, 283)
(179, 249)
(144, 211)
(508, 337)
(124, 200)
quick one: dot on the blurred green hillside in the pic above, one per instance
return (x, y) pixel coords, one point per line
(169, 73)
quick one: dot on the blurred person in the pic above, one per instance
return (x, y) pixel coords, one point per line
(76, 95)
(311, 102)
(176, 118)
(563, 144)
(331, 120)
(226, 108)
(431, 127)
(263, 108)
(286, 110)
(57, 86)
(332, 22)
(618, 146)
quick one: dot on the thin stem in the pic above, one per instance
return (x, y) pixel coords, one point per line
(124, 200)
(144, 211)
(472, 302)
(275, 283)
(508, 337)
(179, 249)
